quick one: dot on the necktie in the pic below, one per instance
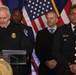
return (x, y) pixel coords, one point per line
(51, 31)
(75, 30)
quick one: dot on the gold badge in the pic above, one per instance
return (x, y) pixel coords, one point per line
(13, 35)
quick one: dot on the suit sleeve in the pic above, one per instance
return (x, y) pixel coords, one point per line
(31, 37)
(39, 48)
(26, 44)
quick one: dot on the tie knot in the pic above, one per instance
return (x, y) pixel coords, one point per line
(74, 27)
(51, 31)
(74, 30)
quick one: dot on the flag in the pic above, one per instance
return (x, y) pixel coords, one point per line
(34, 11)
(34, 15)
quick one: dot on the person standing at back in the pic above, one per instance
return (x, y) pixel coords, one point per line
(12, 37)
(43, 46)
(16, 17)
(64, 47)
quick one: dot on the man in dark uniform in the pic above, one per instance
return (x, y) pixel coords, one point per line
(16, 17)
(64, 48)
(12, 37)
(43, 46)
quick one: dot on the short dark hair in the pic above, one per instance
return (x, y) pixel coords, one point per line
(17, 9)
(72, 7)
(53, 13)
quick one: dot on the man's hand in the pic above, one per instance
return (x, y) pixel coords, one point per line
(73, 68)
(51, 64)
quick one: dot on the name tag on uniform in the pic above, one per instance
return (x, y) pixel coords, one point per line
(65, 35)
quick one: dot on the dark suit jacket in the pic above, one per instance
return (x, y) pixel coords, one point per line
(64, 47)
(43, 47)
(13, 38)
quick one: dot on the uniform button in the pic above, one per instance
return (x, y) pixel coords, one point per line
(64, 39)
(75, 61)
(75, 41)
(75, 47)
(75, 54)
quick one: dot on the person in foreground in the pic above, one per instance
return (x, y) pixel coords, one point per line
(43, 46)
(12, 37)
(16, 17)
(64, 47)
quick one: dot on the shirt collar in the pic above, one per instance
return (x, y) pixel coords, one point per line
(7, 25)
(72, 26)
(55, 27)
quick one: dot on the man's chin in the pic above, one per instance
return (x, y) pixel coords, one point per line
(2, 25)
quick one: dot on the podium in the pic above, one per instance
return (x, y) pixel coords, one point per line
(15, 58)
